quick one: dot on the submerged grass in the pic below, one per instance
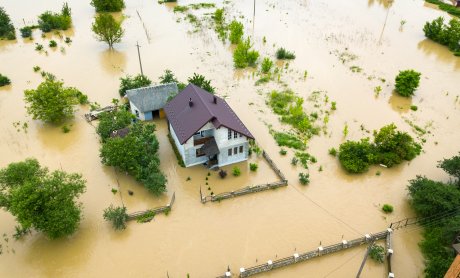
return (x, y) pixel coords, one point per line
(288, 140)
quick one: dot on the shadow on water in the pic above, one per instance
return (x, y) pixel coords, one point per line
(113, 61)
(440, 52)
(399, 103)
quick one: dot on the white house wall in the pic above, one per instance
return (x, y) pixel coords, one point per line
(224, 144)
(176, 141)
(134, 109)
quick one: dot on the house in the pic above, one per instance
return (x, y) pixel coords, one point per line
(148, 102)
(205, 129)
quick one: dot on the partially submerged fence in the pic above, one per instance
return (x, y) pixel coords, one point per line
(320, 251)
(249, 189)
(94, 115)
(152, 212)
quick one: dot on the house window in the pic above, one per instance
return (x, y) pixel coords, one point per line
(241, 149)
(235, 150)
(235, 134)
(241, 135)
(229, 134)
(137, 113)
(202, 133)
(199, 152)
(230, 152)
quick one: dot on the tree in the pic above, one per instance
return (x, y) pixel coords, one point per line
(168, 77)
(407, 82)
(111, 121)
(41, 200)
(129, 83)
(6, 27)
(51, 101)
(4, 80)
(236, 31)
(107, 29)
(200, 81)
(356, 157)
(48, 21)
(117, 216)
(108, 5)
(452, 167)
(243, 56)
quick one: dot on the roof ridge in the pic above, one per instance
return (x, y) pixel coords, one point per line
(202, 100)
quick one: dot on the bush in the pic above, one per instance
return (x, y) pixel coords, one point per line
(407, 82)
(333, 151)
(448, 35)
(52, 43)
(283, 54)
(236, 171)
(48, 21)
(108, 5)
(6, 27)
(304, 178)
(452, 167)
(356, 157)
(288, 140)
(117, 216)
(51, 102)
(377, 253)
(243, 56)
(222, 174)
(4, 80)
(387, 208)
(26, 32)
(413, 108)
(267, 65)
(107, 29)
(200, 81)
(111, 121)
(253, 166)
(168, 77)
(129, 83)
(236, 32)
(283, 152)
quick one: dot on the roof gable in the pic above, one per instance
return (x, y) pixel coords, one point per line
(153, 97)
(192, 108)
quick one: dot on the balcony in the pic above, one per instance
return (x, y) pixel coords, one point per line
(198, 140)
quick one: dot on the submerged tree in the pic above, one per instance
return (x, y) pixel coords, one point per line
(6, 27)
(407, 82)
(41, 200)
(108, 5)
(117, 216)
(52, 102)
(107, 29)
(133, 82)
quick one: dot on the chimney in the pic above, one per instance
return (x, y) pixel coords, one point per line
(215, 99)
(190, 102)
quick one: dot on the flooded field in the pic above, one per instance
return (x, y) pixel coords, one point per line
(202, 240)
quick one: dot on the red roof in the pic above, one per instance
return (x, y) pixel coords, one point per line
(194, 107)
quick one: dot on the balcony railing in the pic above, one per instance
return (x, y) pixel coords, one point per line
(201, 140)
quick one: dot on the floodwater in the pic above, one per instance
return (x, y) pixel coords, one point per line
(203, 240)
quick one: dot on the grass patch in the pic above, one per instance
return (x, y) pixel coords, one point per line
(180, 161)
(288, 140)
(283, 54)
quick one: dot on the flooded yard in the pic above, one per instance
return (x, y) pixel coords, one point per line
(328, 38)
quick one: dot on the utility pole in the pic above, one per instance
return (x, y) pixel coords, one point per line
(139, 54)
(253, 18)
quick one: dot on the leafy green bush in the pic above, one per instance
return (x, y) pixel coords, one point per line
(26, 32)
(243, 56)
(304, 178)
(52, 43)
(288, 140)
(356, 157)
(168, 77)
(413, 108)
(4, 80)
(283, 152)
(129, 83)
(407, 82)
(108, 5)
(107, 29)
(267, 65)
(253, 167)
(333, 151)
(6, 26)
(117, 216)
(236, 32)
(219, 16)
(51, 101)
(448, 35)
(48, 21)
(387, 208)
(236, 171)
(180, 9)
(283, 54)
(111, 121)
(377, 253)
(200, 81)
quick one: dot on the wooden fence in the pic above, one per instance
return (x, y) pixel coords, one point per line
(320, 251)
(249, 189)
(164, 209)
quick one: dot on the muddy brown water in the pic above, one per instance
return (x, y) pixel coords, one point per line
(203, 240)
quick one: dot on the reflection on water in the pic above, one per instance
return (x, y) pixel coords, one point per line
(399, 103)
(440, 52)
(385, 3)
(113, 61)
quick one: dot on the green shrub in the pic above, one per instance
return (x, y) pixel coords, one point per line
(253, 167)
(288, 140)
(377, 253)
(38, 47)
(266, 65)
(236, 32)
(448, 35)
(304, 158)
(304, 178)
(283, 152)
(108, 5)
(219, 16)
(129, 83)
(451, 9)
(168, 77)
(333, 105)
(48, 21)
(243, 56)
(200, 81)
(26, 32)
(52, 43)
(356, 157)
(407, 82)
(294, 161)
(236, 171)
(6, 26)
(387, 208)
(283, 54)
(36, 68)
(222, 174)
(180, 9)
(413, 108)
(65, 129)
(111, 121)
(262, 80)
(333, 151)
(117, 216)
(4, 80)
